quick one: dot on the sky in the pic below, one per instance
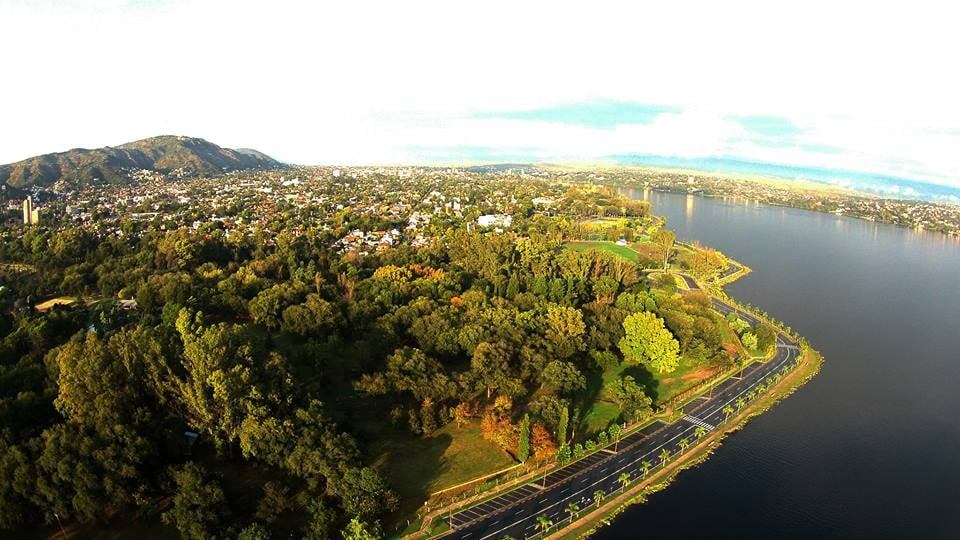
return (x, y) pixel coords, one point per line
(847, 86)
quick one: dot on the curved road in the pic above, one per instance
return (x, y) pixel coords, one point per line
(515, 513)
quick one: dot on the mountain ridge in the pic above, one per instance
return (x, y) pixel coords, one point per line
(111, 164)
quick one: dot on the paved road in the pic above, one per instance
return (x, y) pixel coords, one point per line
(515, 513)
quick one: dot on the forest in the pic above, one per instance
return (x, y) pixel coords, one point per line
(235, 386)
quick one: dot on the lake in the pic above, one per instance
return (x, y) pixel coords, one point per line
(870, 448)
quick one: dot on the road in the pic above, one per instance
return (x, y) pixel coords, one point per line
(515, 513)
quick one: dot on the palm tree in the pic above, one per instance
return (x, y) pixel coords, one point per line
(624, 480)
(544, 524)
(645, 466)
(508, 537)
(769, 381)
(684, 443)
(727, 411)
(751, 394)
(664, 456)
(699, 432)
(740, 403)
(598, 496)
(572, 509)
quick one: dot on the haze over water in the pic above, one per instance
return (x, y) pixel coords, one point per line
(870, 448)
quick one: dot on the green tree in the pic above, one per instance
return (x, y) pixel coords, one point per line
(364, 494)
(699, 432)
(491, 365)
(198, 509)
(684, 443)
(598, 496)
(630, 396)
(727, 411)
(749, 341)
(254, 531)
(664, 456)
(563, 377)
(543, 524)
(94, 387)
(573, 510)
(523, 450)
(648, 341)
(645, 466)
(358, 529)
(624, 480)
(562, 425)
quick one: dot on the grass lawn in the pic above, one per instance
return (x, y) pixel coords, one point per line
(418, 466)
(687, 375)
(610, 247)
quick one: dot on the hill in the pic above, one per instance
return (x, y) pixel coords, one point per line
(166, 153)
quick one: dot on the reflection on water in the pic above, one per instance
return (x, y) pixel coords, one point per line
(871, 446)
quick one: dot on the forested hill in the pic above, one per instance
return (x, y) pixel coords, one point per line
(166, 153)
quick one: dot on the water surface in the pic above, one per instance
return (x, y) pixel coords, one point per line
(870, 448)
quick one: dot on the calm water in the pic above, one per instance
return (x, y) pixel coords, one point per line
(870, 448)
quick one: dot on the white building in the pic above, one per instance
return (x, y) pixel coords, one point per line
(498, 220)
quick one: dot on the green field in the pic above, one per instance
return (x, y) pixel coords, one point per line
(610, 247)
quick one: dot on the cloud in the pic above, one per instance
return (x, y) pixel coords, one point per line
(376, 82)
(595, 114)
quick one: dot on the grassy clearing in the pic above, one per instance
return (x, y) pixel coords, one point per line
(689, 374)
(610, 247)
(58, 301)
(418, 466)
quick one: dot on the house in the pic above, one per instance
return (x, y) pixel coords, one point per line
(498, 220)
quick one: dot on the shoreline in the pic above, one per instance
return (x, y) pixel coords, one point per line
(605, 515)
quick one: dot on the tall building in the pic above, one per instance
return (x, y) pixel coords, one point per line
(31, 215)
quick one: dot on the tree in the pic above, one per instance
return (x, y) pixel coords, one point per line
(572, 509)
(699, 432)
(322, 518)
(562, 426)
(543, 524)
(630, 396)
(199, 509)
(614, 431)
(598, 496)
(309, 318)
(358, 529)
(82, 472)
(684, 443)
(565, 329)
(664, 456)
(94, 387)
(766, 336)
(254, 531)
(645, 466)
(563, 377)
(491, 367)
(364, 494)
(542, 445)
(749, 341)
(624, 480)
(727, 411)
(740, 403)
(648, 341)
(523, 451)
(664, 239)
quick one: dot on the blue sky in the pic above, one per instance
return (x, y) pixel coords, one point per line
(806, 85)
